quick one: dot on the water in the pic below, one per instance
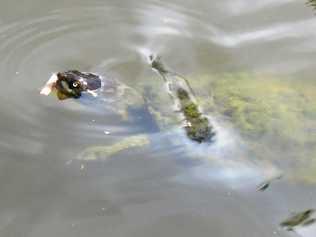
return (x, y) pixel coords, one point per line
(161, 189)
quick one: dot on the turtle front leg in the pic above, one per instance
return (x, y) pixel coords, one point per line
(104, 152)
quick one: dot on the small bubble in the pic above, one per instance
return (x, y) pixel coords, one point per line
(107, 132)
(82, 167)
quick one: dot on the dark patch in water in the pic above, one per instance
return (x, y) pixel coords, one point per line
(157, 64)
(142, 116)
(198, 127)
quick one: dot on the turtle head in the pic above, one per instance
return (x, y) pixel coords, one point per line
(69, 85)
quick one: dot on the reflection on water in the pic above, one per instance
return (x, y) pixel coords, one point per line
(252, 69)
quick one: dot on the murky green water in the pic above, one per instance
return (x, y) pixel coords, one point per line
(251, 65)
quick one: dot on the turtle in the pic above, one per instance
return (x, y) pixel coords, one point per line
(167, 105)
(71, 84)
(123, 99)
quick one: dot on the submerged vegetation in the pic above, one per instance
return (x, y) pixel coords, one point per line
(311, 3)
(276, 116)
(198, 127)
(303, 218)
(261, 106)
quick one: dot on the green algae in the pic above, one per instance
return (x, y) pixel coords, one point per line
(276, 116)
(198, 127)
(311, 3)
(261, 106)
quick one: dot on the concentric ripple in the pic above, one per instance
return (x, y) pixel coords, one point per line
(97, 38)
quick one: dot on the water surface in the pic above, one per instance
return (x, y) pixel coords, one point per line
(156, 190)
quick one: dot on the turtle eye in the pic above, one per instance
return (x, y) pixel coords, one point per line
(75, 84)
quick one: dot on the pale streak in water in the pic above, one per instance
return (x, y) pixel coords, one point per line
(295, 29)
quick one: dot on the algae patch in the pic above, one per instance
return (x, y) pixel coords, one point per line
(276, 116)
(104, 152)
(311, 3)
(261, 106)
(197, 128)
